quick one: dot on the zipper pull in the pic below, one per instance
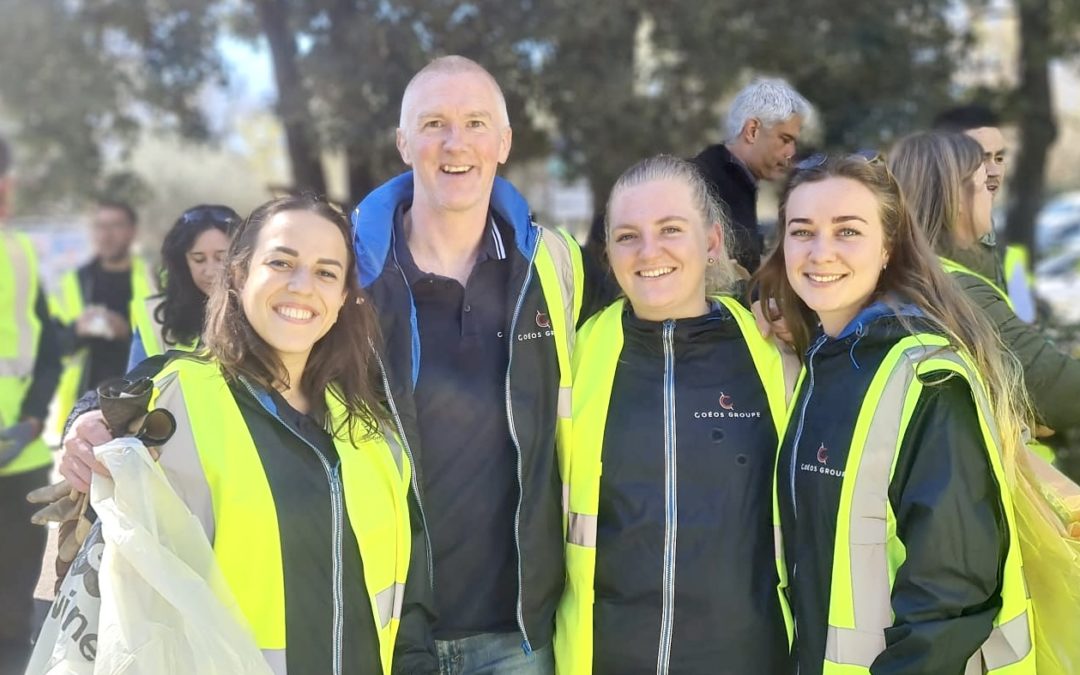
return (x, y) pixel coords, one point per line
(526, 647)
(335, 475)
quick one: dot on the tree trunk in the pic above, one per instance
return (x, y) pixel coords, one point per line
(1037, 128)
(361, 178)
(293, 97)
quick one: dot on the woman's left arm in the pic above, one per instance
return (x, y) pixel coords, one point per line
(950, 519)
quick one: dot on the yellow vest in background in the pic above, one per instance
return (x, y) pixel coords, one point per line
(20, 331)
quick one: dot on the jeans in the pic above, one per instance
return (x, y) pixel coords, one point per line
(493, 654)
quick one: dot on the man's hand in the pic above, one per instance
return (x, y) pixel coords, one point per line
(100, 322)
(15, 438)
(119, 327)
(78, 462)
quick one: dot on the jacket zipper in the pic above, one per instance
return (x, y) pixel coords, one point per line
(795, 459)
(333, 478)
(671, 501)
(525, 644)
(802, 420)
(408, 453)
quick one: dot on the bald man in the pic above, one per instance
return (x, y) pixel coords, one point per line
(476, 352)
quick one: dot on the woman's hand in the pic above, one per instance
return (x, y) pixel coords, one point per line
(78, 463)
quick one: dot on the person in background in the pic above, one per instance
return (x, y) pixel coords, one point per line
(191, 259)
(29, 371)
(94, 303)
(984, 126)
(681, 400)
(944, 180)
(761, 131)
(899, 540)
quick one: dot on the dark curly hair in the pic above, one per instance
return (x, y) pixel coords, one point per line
(183, 308)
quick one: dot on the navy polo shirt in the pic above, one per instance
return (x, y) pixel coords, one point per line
(469, 463)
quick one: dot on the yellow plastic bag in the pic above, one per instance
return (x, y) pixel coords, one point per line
(1047, 508)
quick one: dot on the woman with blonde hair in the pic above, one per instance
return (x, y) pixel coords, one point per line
(899, 540)
(943, 178)
(670, 559)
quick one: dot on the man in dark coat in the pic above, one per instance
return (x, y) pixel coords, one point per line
(761, 130)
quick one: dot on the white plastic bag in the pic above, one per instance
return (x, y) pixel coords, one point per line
(165, 607)
(67, 643)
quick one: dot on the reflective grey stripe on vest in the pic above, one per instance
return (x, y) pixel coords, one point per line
(275, 658)
(21, 363)
(159, 339)
(1008, 643)
(388, 603)
(395, 448)
(562, 258)
(582, 530)
(870, 587)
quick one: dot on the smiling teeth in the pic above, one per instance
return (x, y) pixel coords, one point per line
(651, 274)
(294, 313)
(824, 278)
(455, 169)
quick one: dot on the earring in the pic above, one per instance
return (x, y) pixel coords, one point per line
(711, 260)
(884, 267)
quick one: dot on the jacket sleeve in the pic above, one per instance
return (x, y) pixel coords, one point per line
(950, 519)
(46, 373)
(414, 651)
(1052, 378)
(136, 353)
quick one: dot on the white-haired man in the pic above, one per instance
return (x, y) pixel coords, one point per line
(760, 133)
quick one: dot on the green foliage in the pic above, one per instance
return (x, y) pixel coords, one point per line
(600, 84)
(81, 78)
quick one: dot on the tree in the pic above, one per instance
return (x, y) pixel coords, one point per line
(1048, 28)
(83, 76)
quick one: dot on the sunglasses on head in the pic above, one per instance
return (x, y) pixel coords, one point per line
(819, 159)
(215, 214)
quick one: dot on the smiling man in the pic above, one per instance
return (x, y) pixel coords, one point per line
(477, 305)
(761, 132)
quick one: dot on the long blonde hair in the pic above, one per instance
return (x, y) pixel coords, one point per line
(934, 170)
(913, 275)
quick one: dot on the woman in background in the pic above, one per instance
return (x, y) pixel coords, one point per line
(191, 261)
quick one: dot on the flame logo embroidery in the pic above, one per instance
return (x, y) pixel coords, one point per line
(823, 454)
(726, 402)
(542, 320)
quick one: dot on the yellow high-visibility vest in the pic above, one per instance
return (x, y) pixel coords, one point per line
(596, 359)
(20, 331)
(150, 331)
(867, 551)
(375, 480)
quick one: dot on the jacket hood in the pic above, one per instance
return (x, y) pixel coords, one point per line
(373, 221)
(875, 325)
(890, 307)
